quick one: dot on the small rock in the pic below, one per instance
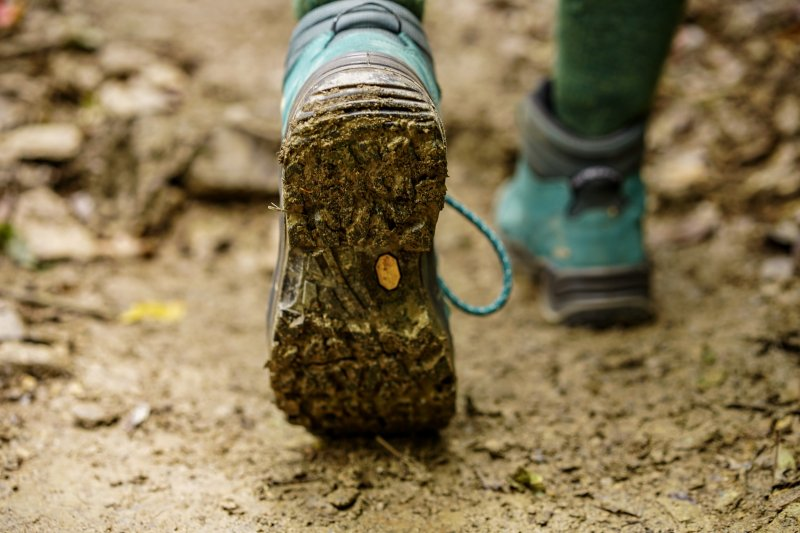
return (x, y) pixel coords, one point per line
(123, 59)
(234, 163)
(779, 177)
(748, 131)
(669, 124)
(46, 142)
(43, 221)
(690, 38)
(759, 50)
(134, 98)
(19, 388)
(166, 77)
(343, 498)
(728, 70)
(74, 72)
(91, 416)
(232, 508)
(494, 447)
(11, 326)
(137, 417)
(542, 518)
(696, 227)
(677, 175)
(785, 234)
(12, 113)
(778, 269)
(38, 360)
(83, 205)
(32, 176)
(163, 146)
(787, 115)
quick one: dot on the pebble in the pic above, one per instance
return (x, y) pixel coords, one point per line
(680, 174)
(234, 163)
(47, 142)
(785, 234)
(787, 115)
(11, 326)
(778, 269)
(494, 447)
(124, 59)
(696, 227)
(137, 417)
(134, 98)
(38, 360)
(43, 221)
(779, 177)
(343, 498)
(75, 72)
(91, 416)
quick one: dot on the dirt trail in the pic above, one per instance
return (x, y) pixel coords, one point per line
(691, 423)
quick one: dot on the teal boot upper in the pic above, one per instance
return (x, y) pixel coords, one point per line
(574, 202)
(345, 27)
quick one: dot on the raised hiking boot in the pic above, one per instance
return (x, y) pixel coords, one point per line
(357, 324)
(573, 209)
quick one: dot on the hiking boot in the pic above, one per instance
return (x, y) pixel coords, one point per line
(574, 209)
(358, 328)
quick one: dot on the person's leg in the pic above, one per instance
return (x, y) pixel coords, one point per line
(610, 57)
(576, 201)
(301, 7)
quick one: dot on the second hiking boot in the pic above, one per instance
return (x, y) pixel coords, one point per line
(574, 209)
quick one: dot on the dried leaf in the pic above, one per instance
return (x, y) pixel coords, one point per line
(529, 480)
(153, 311)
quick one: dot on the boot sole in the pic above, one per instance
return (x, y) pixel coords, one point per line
(597, 297)
(360, 341)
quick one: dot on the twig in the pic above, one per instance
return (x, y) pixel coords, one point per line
(415, 468)
(394, 451)
(41, 300)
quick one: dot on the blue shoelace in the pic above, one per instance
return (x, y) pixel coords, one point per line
(502, 255)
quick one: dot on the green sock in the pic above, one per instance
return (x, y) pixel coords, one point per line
(301, 7)
(610, 56)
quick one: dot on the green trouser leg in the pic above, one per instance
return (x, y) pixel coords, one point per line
(301, 7)
(610, 57)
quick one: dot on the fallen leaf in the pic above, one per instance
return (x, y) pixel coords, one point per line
(529, 480)
(154, 311)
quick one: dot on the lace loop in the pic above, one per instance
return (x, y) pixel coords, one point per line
(502, 255)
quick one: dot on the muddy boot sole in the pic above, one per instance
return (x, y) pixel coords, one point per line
(598, 297)
(360, 340)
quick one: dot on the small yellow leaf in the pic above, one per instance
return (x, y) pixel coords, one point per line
(168, 312)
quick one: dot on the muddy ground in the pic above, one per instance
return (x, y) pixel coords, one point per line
(691, 423)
